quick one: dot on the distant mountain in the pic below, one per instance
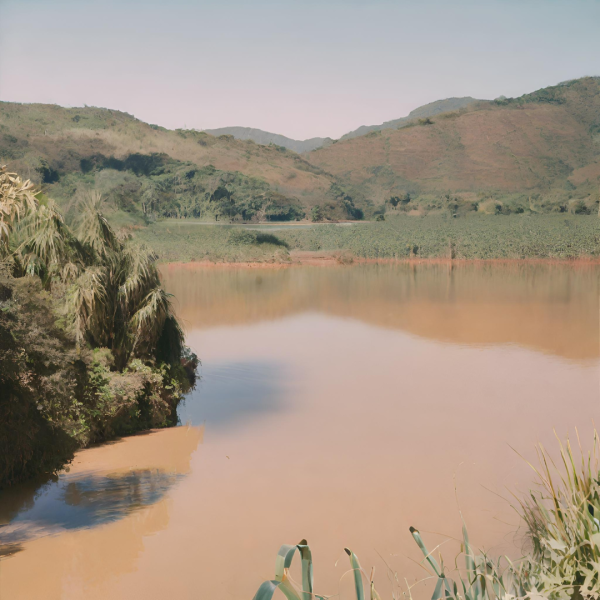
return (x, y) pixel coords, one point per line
(538, 153)
(428, 110)
(543, 147)
(265, 138)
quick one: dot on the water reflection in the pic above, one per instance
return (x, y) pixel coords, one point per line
(87, 501)
(235, 393)
(88, 496)
(553, 308)
(21, 498)
(344, 422)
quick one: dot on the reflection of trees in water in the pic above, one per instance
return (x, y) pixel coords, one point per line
(234, 393)
(22, 497)
(9, 549)
(553, 308)
(110, 497)
(87, 501)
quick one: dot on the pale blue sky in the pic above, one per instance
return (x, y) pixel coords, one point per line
(302, 68)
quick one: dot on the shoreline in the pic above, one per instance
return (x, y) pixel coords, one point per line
(340, 259)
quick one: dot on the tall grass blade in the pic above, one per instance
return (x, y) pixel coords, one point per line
(358, 583)
(434, 565)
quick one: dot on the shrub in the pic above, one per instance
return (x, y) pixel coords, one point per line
(269, 238)
(562, 522)
(39, 372)
(316, 214)
(47, 173)
(86, 165)
(281, 208)
(242, 237)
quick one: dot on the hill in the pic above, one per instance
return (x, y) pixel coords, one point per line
(538, 153)
(535, 154)
(428, 110)
(265, 138)
(148, 171)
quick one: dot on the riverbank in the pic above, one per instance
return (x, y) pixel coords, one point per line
(90, 349)
(335, 259)
(399, 238)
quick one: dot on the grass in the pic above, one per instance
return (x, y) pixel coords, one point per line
(175, 241)
(561, 517)
(563, 522)
(400, 237)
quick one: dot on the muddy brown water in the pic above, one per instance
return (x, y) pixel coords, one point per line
(339, 404)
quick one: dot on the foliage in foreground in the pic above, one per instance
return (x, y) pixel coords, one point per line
(562, 523)
(89, 347)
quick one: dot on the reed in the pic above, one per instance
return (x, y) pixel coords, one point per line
(562, 519)
(561, 515)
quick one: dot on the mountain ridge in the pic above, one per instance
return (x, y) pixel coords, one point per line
(302, 146)
(266, 137)
(536, 153)
(427, 110)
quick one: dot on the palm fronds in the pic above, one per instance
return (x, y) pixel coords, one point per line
(114, 296)
(16, 200)
(44, 236)
(140, 274)
(93, 229)
(148, 320)
(85, 299)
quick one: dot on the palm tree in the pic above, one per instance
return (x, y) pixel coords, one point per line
(16, 200)
(113, 291)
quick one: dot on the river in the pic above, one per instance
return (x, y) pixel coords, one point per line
(338, 404)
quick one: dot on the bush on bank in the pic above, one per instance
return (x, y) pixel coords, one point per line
(89, 347)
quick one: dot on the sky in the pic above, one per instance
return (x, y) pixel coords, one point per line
(302, 68)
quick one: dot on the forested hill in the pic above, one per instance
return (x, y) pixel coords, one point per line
(147, 170)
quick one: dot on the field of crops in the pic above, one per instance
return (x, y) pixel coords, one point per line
(184, 241)
(477, 237)
(513, 236)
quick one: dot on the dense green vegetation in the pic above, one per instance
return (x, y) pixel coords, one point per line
(154, 186)
(561, 522)
(89, 346)
(399, 236)
(149, 172)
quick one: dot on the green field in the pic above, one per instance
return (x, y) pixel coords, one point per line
(476, 237)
